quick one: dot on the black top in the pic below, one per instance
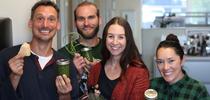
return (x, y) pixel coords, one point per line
(106, 86)
(35, 84)
(79, 88)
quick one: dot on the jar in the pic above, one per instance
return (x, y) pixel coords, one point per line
(63, 67)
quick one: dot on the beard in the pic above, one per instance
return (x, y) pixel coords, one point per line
(92, 35)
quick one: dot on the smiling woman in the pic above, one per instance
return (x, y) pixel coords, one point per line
(121, 68)
(175, 83)
(116, 40)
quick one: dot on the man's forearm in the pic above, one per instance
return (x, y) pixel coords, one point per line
(14, 80)
(64, 97)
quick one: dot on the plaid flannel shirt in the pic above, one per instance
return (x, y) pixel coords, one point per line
(185, 89)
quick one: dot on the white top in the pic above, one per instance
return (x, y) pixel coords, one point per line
(43, 60)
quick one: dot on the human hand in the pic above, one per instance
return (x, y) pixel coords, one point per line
(63, 84)
(16, 65)
(95, 61)
(79, 62)
(90, 64)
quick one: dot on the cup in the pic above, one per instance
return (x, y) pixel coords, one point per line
(87, 53)
(63, 67)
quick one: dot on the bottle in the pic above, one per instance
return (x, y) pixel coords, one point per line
(151, 94)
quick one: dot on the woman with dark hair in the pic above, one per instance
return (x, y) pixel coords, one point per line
(175, 84)
(121, 75)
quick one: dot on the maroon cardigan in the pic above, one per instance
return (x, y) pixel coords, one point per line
(131, 86)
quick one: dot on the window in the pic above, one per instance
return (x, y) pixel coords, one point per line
(154, 8)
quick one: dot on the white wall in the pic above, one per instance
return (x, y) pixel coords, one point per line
(133, 10)
(19, 12)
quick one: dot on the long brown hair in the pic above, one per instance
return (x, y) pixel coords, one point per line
(131, 54)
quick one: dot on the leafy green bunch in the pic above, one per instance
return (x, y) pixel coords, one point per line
(71, 48)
